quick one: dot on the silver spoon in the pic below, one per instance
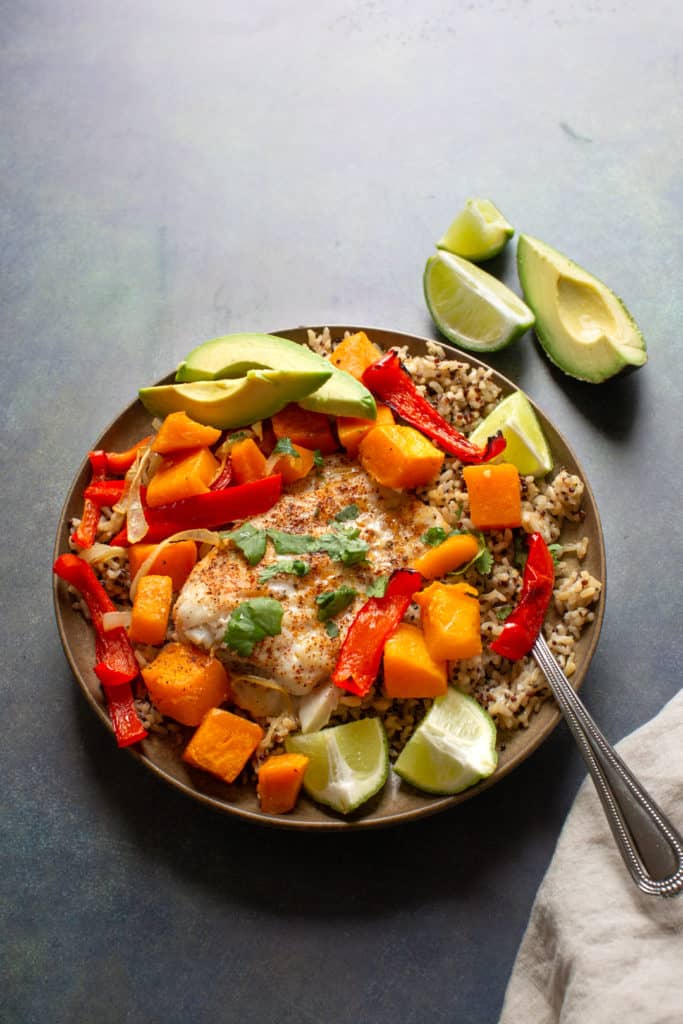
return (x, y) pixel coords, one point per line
(651, 847)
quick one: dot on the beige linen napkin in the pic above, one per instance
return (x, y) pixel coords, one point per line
(596, 949)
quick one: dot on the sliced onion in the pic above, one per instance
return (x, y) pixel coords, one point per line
(99, 553)
(112, 620)
(130, 503)
(202, 536)
(245, 694)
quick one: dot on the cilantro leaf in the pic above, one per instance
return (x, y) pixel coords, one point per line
(252, 621)
(348, 512)
(483, 561)
(285, 446)
(290, 566)
(556, 551)
(433, 536)
(318, 460)
(333, 602)
(378, 587)
(332, 629)
(503, 611)
(293, 543)
(519, 557)
(250, 541)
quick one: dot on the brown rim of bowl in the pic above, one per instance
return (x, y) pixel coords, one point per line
(162, 757)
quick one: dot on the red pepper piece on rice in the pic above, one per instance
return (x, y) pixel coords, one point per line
(392, 385)
(524, 623)
(361, 652)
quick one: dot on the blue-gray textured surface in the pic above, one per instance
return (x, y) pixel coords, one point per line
(173, 171)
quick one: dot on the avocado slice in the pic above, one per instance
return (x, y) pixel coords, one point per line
(583, 326)
(234, 403)
(234, 354)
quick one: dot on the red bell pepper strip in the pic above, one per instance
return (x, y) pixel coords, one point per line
(104, 492)
(210, 510)
(524, 623)
(86, 531)
(116, 662)
(118, 463)
(128, 728)
(361, 652)
(391, 384)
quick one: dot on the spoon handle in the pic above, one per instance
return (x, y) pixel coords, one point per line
(651, 847)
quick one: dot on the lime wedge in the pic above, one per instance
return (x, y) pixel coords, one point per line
(479, 232)
(471, 308)
(526, 447)
(349, 763)
(453, 747)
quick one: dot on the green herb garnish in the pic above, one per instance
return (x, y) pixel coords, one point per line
(318, 460)
(433, 536)
(349, 512)
(344, 545)
(250, 541)
(283, 566)
(503, 611)
(334, 601)
(378, 587)
(556, 551)
(483, 561)
(285, 446)
(251, 622)
(332, 629)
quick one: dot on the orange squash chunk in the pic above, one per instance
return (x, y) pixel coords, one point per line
(452, 553)
(352, 429)
(179, 432)
(410, 670)
(308, 429)
(185, 682)
(181, 476)
(175, 560)
(355, 353)
(495, 495)
(399, 457)
(294, 467)
(151, 609)
(450, 620)
(223, 744)
(279, 782)
(248, 461)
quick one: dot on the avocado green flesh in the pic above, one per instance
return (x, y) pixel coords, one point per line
(235, 354)
(582, 325)
(234, 403)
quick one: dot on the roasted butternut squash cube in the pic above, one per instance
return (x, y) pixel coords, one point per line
(294, 467)
(185, 682)
(495, 495)
(151, 609)
(181, 476)
(175, 560)
(223, 744)
(451, 554)
(178, 432)
(410, 670)
(302, 426)
(279, 782)
(399, 457)
(451, 620)
(248, 461)
(352, 429)
(355, 353)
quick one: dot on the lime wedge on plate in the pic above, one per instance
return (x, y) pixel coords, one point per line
(526, 448)
(471, 308)
(453, 747)
(479, 232)
(349, 763)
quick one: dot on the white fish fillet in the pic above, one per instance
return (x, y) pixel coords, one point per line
(303, 655)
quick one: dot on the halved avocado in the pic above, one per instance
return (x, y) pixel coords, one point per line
(234, 403)
(584, 328)
(235, 354)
